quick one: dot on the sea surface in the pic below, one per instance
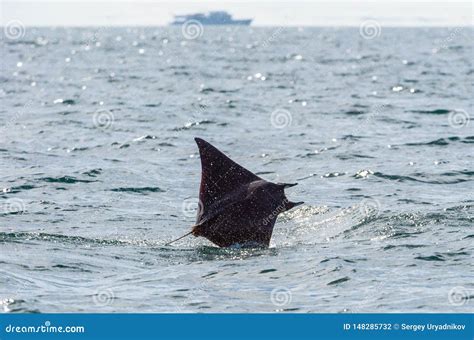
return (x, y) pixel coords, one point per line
(99, 168)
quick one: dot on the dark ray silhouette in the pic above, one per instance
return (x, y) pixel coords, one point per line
(236, 207)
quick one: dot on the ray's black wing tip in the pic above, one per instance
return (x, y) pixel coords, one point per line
(203, 146)
(200, 141)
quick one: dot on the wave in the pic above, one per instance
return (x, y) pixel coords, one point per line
(141, 190)
(433, 112)
(443, 141)
(400, 178)
(65, 180)
(191, 125)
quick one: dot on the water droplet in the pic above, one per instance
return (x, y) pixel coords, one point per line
(19, 64)
(363, 173)
(298, 57)
(141, 51)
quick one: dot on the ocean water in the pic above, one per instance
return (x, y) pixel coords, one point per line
(99, 168)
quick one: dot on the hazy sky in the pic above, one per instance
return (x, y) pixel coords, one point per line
(264, 13)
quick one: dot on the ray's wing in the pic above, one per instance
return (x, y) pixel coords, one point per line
(220, 176)
(234, 225)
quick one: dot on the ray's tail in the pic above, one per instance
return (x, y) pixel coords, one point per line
(179, 238)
